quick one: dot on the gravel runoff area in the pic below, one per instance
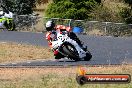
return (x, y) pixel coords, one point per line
(12, 52)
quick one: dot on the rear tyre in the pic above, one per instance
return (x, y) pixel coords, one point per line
(10, 26)
(88, 56)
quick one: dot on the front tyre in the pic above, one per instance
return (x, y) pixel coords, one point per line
(71, 52)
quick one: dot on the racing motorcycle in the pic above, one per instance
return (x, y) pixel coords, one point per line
(67, 45)
(6, 20)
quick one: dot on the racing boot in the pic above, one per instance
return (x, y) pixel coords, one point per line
(58, 55)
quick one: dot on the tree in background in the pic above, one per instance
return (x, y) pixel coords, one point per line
(72, 9)
(129, 2)
(103, 14)
(9, 4)
(111, 11)
(19, 7)
(126, 12)
(25, 6)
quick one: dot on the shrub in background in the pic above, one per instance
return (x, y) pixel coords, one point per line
(129, 2)
(126, 14)
(72, 9)
(104, 14)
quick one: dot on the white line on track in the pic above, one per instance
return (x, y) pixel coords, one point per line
(28, 62)
(3, 64)
(13, 63)
(3, 42)
(42, 61)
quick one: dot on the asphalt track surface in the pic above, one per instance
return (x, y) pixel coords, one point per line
(105, 50)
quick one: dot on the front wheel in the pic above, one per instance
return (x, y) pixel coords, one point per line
(71, 52)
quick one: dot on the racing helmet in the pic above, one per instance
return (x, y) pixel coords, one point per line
(50, 25)
(1, 13)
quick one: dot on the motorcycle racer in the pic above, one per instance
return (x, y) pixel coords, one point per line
(6, 19)
(6, 12)
(51, 35)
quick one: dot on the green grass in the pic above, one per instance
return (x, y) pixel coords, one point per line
(57, 77)
(55, 81)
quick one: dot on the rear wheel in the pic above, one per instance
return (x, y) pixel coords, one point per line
(88, 56)
(71, 52)
(10, 26)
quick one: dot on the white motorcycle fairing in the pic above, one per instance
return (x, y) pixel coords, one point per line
(2, 21)
(3, 18)
(61, 38)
